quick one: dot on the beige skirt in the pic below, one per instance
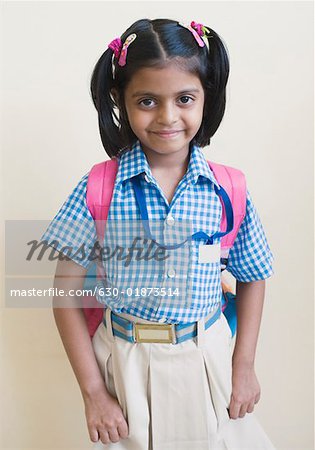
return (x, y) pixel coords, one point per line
(175, 397)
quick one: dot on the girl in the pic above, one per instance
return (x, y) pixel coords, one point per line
(159, 91)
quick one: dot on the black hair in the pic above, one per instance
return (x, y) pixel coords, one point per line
(159, 42)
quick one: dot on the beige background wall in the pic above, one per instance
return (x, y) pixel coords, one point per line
(50, 139)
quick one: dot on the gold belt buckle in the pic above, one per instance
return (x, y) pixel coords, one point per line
(154, 333)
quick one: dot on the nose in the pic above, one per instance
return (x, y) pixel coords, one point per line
(167, 114)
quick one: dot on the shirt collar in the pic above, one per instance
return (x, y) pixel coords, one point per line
(198, 166)
(133, 161)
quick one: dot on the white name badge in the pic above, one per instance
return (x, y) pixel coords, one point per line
(209, 253)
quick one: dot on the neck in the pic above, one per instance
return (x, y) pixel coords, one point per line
(174, 162)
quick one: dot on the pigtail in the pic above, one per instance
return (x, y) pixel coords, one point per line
(218, 61)
(215, 80)
(100, 88)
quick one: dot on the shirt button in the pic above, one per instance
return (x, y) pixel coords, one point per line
(171, 273)
(170, 220)
(146, 178)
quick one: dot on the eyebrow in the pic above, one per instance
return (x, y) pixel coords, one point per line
(185, 91)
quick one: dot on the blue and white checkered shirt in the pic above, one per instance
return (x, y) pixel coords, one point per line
(194, 202)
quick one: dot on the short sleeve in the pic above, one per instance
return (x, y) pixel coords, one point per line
(73, 230)
(250, 258)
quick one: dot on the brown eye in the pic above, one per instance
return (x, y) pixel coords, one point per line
(187, 99)
(146, 100)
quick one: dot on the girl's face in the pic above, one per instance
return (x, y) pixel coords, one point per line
(164, 108)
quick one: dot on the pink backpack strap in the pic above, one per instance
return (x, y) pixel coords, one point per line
(233, 181)
(99, 191)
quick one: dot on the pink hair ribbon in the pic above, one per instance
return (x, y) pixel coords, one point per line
(116, 46)
(198, 30)
(120, 49)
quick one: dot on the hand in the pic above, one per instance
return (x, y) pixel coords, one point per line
(105, 419)
(245, 390)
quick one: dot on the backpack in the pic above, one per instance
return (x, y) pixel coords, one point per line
(100, 187)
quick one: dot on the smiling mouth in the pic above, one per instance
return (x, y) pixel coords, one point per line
(170, 133)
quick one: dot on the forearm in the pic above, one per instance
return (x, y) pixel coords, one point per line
(249, 305)
(78, 346)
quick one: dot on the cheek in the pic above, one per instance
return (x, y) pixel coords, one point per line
(136, 117)
(195, 118)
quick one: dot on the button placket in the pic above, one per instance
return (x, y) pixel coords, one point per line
(168, 232)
